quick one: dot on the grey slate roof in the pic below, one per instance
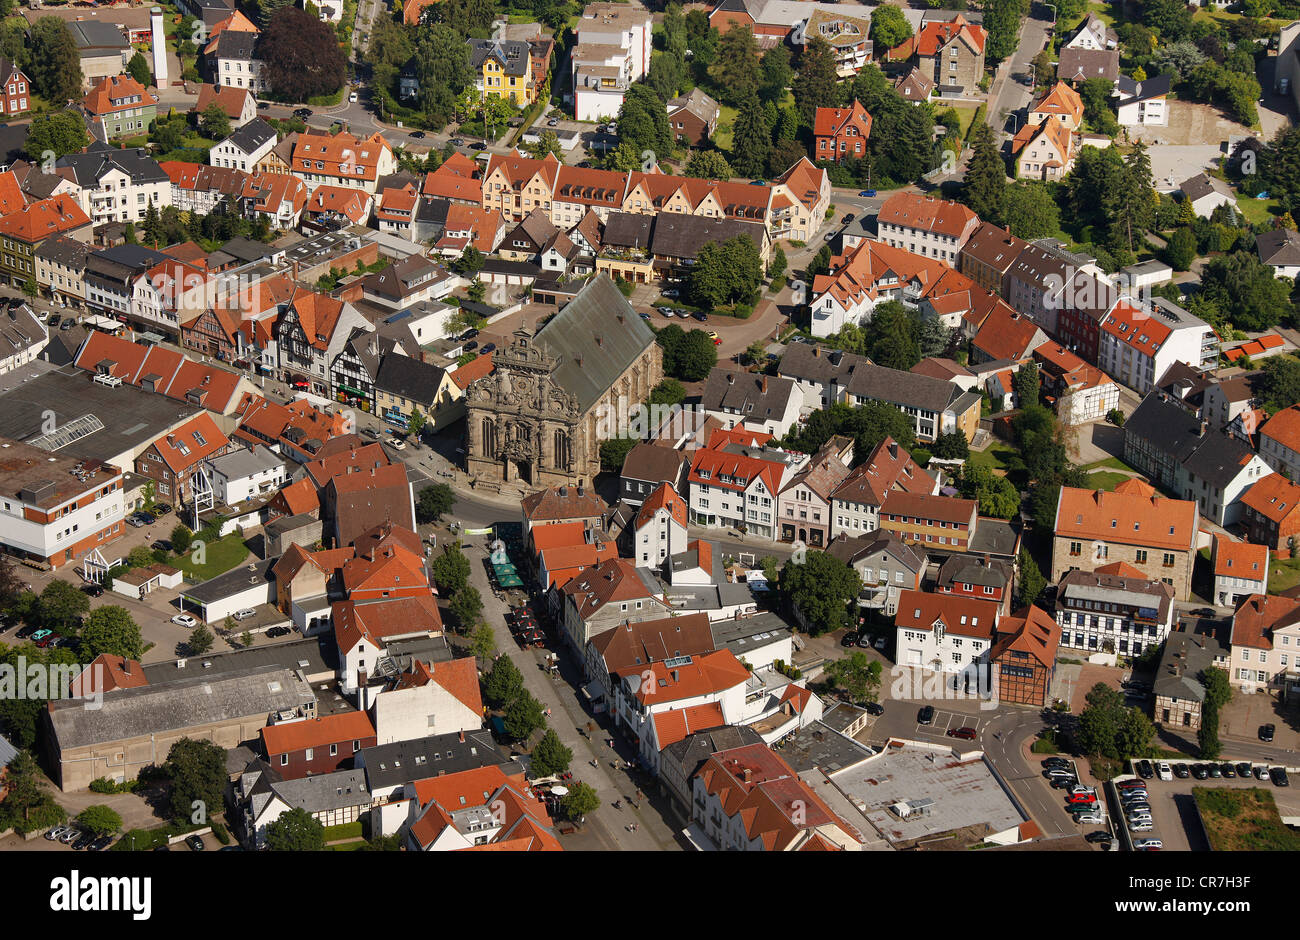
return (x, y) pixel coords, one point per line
(878, 383)
(1166, 427)
(588, 368)
(753, 397)
(172, 706)
(852, 550)
(1202, 184)
(409, 378)
(628, 230)
(99, 158)
(233, 44)
(678, 235)
(963, 569)
(7, 752)
(323, 792)
(819, 364)
(1218, 458)
(1149, 88)
(388, 765)
(64, 250)
(252, 135)
(513, 54)
(699, 104)
(95, 37)
(1185, 657)
(312, 655)
(1279, 246)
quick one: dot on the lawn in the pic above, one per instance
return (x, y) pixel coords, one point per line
(965, 113)
(1113, 463)
(1243, 821)
(998, 456)
(726, 126)
(1259, 211)
(1106, 481)
(1283, 574)
(219, 557)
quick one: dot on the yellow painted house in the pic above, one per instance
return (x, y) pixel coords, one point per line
(512, 68)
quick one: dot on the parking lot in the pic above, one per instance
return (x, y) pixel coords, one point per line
(1173, 808)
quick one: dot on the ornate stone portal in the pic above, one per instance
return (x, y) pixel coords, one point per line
(520, 424)
(525, 427)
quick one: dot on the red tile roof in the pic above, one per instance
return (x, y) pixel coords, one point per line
(710, 674)
(1031, 631)
(676, 724)
(1240, 559)
(40, 220)
(665, 497)
(457, 178)
(182, 449)
(963, 616)
(1258, 616)
(293, 736)
(1274, 497)
(912, 210)
(1129, 517)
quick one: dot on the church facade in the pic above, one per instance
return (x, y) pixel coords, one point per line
(539, 417)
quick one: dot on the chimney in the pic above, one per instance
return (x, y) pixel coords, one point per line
(817, 351)
(1205, 426)
(893, 450)
(764, 385)
(747, 775)
(462, 737)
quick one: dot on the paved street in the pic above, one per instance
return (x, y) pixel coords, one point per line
(1006, 95)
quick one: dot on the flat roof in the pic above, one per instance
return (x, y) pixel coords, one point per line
(127, 417)
(319, 653)
(820, 745)
(963, 792)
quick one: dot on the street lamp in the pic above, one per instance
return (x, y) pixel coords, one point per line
(1053, 6)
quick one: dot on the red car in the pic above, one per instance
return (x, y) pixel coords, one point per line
(47, 641)
(966, 734)
(1081, 798)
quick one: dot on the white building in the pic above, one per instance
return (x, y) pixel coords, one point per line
(612, 51)
(659, 530)
(244, 148)
(246, 475)
(1142, 103)
(1113, 612)
(1240, 570)
(943, 632)
(1137, 345)
(438, 699)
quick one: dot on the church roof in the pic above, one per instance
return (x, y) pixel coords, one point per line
(596, 337)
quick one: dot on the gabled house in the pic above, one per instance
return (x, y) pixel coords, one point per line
(754, 402)
(238, 104)
(247, 145)
(944, 633)
(1023, 658)
(886, 565)
(310, 333)
(429, 698)
(1240, 570)
(1271, 513)
(856, 501)
(172, 461)
(659, 529)
(693, 118)
(1265, 637)
(119, 106)
(1142, 104)
(804, 505)
(1044, 151)
(949, 53)
(841, 132)
(1060, 102)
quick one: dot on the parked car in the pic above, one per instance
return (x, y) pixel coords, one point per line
(246, 614)
(84, 840)
(134, 520)
(100, 844)
(666, 311)
(39, 635)
(478, 145)
(1055, 762)
(1181, 771)
(717, 340)
(830, 236)
(490, 347)
(56, 831)
(849, 639)
(1137, 808)
(472, 344)
(67, 324)
(1099, 836)
(1081, 788)
(874, 708)
(1261, 772)
(278, 632)
(195, 843)
(1076, 808)
(396, 443)
(71, 836)
(702, 317)
(1063, 783)
(670, 292)
(1084, 819)
(185, 620)
(1144, 770)
(457, 141)
(1148, 845)
(25, 632)
(161, 509)
(1199, 772)
(418, 135)
(1141, 827)
(1164, 771)
(925, 716)
(1243, 770)
(1131, 782)
(1058, 772)
(868, 193)
(553, 122)
(966, 734)
(880, 642)
(848, 217)
(1081, 797)
(1214, 771)
(54, 320)
(93, 589)
(1278, 776)
(1266, 733)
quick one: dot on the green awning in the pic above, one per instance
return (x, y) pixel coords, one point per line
(354, 391)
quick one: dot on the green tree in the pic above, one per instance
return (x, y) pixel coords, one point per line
(23, 780)
(550, 757)
(889, 27)
(708, 164)
(434, 502)
(751, 140)
(821, 589)
(466, 606)
(857, 675)
(643, 123)
(61, 604)
(547, 143)
(1044, 68)
(1240, 282)
(60, 133)
(470, 261)
(816, 84)
(1181, 250)
(450, 571)
(895, 344)
(200, 640)
(1030, 211)
(1097, 111)
(1108, 728)
(296, 831)
(776, 267)
(1025, 384)
(775, 74)
(951, 446)
(503, 683)
(138, 68)
(1030, 584)
(735, 71)
(483, 642)
(215, 121)
(668, 392)
(181, 538)
(579, 801)
(197, 770)
(696, 356)
(1002, 21)
(523, 716)
(985, 183)
(54, 63)
(100, 820)
(111, 630)
(614, 451)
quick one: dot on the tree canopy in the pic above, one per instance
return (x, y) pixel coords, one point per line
(821, 589)
(302, 56)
